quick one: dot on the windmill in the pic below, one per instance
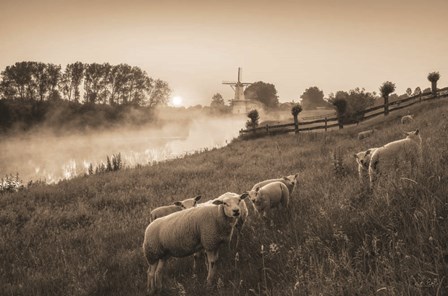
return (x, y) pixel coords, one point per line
(239, 100)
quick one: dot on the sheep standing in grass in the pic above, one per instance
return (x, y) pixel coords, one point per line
(363, 160)
(365, 134)
(183, 233)
(290, 181)
(407, 119)
(272, 195)
(175, 207)
(388, 158)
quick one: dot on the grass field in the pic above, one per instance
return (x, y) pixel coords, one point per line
(84, 236)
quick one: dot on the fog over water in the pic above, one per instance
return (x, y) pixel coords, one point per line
(41, 155)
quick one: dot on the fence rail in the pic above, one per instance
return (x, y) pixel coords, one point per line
(363, 115)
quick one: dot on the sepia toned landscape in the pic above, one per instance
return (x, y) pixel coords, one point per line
(115, 115)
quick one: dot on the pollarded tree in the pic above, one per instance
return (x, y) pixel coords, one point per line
(253, 119)
(341, 107)
(434, 77)
(386, 89)
(409, 91)
(295, 110)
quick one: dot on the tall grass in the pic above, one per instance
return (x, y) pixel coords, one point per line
(84, 236)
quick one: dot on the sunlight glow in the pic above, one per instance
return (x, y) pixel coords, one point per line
(177, 101)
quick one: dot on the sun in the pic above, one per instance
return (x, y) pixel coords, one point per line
(177, 101)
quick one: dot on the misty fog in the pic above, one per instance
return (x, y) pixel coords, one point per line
(41, 155)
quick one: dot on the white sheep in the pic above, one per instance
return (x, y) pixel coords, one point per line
(272, 195)
(290, 181)
(363, 160)
(407, 119)
(388, 158)
(175, 207)
(184, 233)
(365, 134)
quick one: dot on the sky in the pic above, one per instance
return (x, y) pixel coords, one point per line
(195, 45)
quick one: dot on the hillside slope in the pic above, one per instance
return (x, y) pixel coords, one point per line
(84, 236)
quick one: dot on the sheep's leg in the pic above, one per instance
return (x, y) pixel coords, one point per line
(158, 274)
(151, 283)
(212, 257)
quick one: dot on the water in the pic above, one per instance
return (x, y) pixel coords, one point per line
(46, 157)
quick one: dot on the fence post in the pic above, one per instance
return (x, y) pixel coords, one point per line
(325, 123)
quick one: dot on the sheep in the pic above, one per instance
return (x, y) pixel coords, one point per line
(365, 134)
(407, 119)
(363, 160)
(175, 207)
(270, 196)
(386, 159)
(290, 182)
(184, 233)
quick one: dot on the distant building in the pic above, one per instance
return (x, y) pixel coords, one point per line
(240, 105)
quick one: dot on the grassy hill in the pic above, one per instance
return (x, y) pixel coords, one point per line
(84, 236)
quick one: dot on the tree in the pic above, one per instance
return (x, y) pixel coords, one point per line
(262, 92)
(312, 98)
(158, 93)
(409, 91)
(218, 105)
(18, 79)
(341, 106)
(386, 89)
(434, 77)
(295, 110)
(71, 80)
(253, 119)
(417, 91)
(54, 76)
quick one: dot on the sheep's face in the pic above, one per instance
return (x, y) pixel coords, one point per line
(232, 204)
(188, 203)
(363, 157)
(257, 199)
(292, 179)
(415, 136)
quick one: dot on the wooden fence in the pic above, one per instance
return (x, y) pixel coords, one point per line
(327, 123)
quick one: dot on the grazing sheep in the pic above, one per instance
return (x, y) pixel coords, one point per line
(363, 160)
(270, 196)
(184, 233)
(407, 119)
(365, 134)
(175, 207)
(388, 158)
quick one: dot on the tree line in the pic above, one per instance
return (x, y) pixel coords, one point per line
(84, 83)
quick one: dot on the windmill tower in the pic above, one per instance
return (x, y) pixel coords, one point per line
(239, 103)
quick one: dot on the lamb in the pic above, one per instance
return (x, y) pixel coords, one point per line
(407, 119)
(175, 207)
(272, 195)
(290, 182)
(363, 160)
(365, 134)
(184, 233)
(387, 158)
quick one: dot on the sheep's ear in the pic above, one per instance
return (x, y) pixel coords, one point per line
(178, 203)
(244, 195)
(355, 155)
(368, 152)
(218, 202)
(295, 176)
(257, 189)
(285, 178)
(416, 132)
(197, 198)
